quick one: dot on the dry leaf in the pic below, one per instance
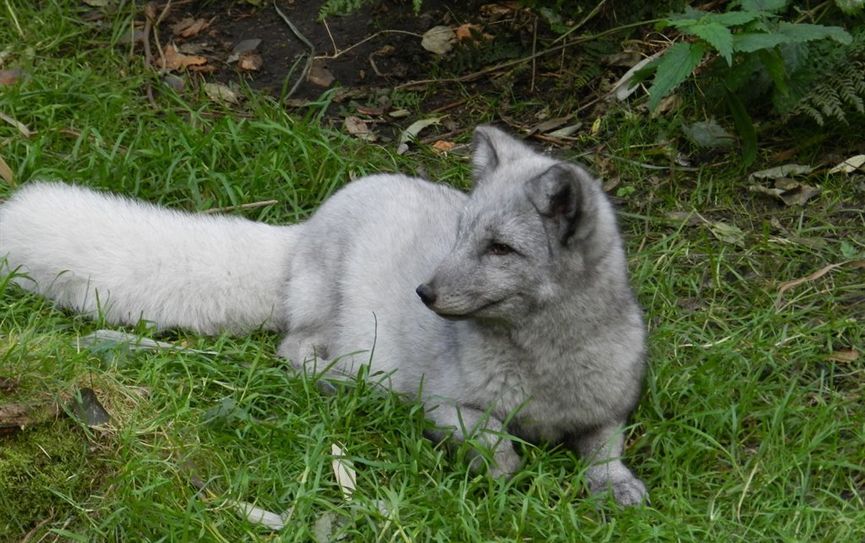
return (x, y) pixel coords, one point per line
(411, 133)
(220, 93)
(844, 357)
(250, 61)
(787, 170)
(319, 75)
(343, 470)
(438, 39)
(625, 87)
(6, 173)
(174, 60)
(787, 285)
(10, 77)
(789, 191)
(399, 113)
(189, 27)
(728, 233)
(443, 146)
(470, 31)
(358, 128)
(243, 46)
(263, 517)
(850, 165)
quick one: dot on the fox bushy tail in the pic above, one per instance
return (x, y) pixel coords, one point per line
(126, 260)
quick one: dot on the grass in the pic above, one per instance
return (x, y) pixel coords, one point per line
(748, 429)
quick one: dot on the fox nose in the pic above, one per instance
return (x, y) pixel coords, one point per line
(427, 294)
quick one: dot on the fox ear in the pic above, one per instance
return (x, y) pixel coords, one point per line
(562, 196)
(492, 147)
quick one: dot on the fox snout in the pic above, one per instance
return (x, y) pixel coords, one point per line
(427, 294)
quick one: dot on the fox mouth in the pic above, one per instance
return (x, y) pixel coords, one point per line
(467, 314)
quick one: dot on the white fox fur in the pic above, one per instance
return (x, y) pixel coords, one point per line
(129, 260)
(523, 319)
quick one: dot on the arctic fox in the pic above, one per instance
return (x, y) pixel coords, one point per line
(507, 310)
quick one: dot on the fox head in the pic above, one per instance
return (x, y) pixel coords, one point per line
(531, 226)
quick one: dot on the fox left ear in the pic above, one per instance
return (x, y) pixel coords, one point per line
(492, 147)
(560, 194)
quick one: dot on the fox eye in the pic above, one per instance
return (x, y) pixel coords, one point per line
(500, 249)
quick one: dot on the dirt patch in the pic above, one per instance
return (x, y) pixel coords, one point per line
(375, 58)
(377, 46)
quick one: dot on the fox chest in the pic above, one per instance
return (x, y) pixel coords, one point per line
(538, 408)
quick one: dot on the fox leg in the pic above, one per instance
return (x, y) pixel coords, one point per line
(602, 447)
(463, 422)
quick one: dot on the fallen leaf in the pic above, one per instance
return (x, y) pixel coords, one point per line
(789, 191)
(410, 134)
(132, 36)
(625, 87)
(343, 471)
(86, 407)
(220, 93)
(263, 517)
(399, 113)
(358, 128)
(26, 132)
(566, 131)
(322, 530)
(173, 60)
(708, 134)
(243, 46)
(787, 170)
(6, 173)
(787, 285)
(250, 62)
(443, 146)
(728, 233)
(438, 39)
(189, 27)
(850, 165)
(175, 82)
(319, 75)
(689, 218)
(370, 110)
(469, 31)
(10, 77)
(844, 357)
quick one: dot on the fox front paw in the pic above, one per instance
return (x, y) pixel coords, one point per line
(627, 490)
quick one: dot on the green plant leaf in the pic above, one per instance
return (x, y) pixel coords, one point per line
(716, 35)
(763, 5)
(673, 68)
(748, 42)
(774, 64)
(733, 18)
(798, 33)
(744, 127)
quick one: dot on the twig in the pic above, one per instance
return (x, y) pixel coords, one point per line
(534, 50)
(515, 62)
(156, 34)
(585, 20)
(250, 205)
(149, 13)
(306, 67)
(363, 41)
(329, 35)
